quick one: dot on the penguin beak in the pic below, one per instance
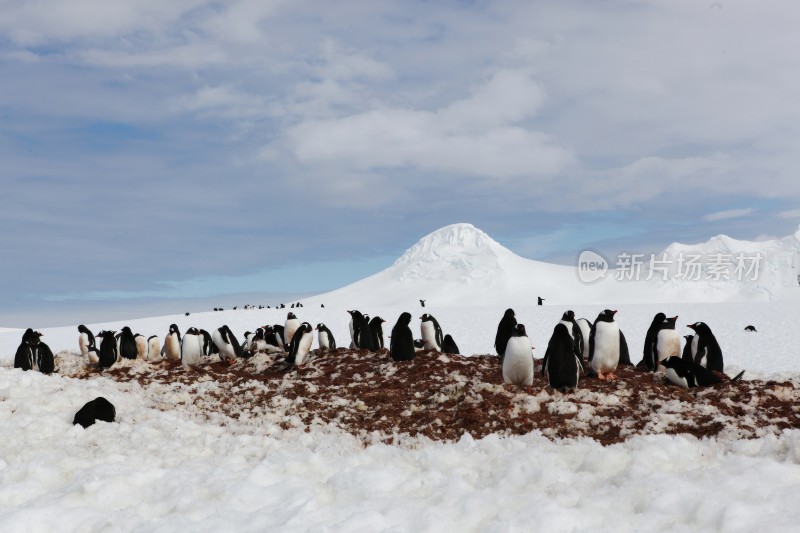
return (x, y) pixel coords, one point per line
(691, 326)
(674, 318)
(614, 312)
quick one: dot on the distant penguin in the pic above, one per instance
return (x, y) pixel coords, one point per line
(606, 345)
(227, 344)
(568, 319)
(402, 344)
(750, 328)
(689, 375)
(540, 300)
(291, 325)
(431, 333)
(108, 349)
(449, 345)
(561, 365)
(504, 331)
(25, 358)
(687, 349)
(705, 348)
(85, 341)
(301, 344)
(325, 338)
(649, 343)
(142, 347)
(172, 344)
(191, 347)
(376, 326)
(97, 409)
(668, 342)
(362, 336)
(154, 348)
(518, 358)
(586, 330)
(422, 303)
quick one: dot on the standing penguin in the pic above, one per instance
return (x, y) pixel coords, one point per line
(44, 356)
(86, 341)
(291, 325)
(449, 345)
(606, 345)
(376, 326)
(127, 344)
(227, 344)
(172, 344)
(647, 361)
(431, 333)
(586, 330)
(568, 319)
(561, 364)
(280, 336)
(154, 348)
(301, 344)
(668, 342)
(25, 358)
(361, 332)
(108, 349)
(191, 347)
(504, 330)
(325, 338)
(401, 344)
(687, 349)
(142, 347)
(518, 358)
(705, 348)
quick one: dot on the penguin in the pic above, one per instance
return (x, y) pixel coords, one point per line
(647, 361)
(325, 338)
(419, 345)
(705, 348)
(568, 319)
(154, 348)
(25, 358)
(228, 345)
(667, 343)
(376, 326)
(91, 412)
(85, 341)
(362, 336)
(93, 357)
(277, 330)
(401, 344)
(422, 303)
(431, 333)
(142, 347)
(247, 344)
(191, 347)
(606, 345)
(172, 344)
(291, 325)
(690, 375)
(586, 329)
(540, 300)
(750, 328)
(255, 344)
(45, 360)
(108, 349)
(687, 349)
(271, 339)
(209, 347)
(561, 364)
(301, 344)
(449, 345)
(504, 330)
(518, 358)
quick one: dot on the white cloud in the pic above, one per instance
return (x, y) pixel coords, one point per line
(727, 214)
(792, 213)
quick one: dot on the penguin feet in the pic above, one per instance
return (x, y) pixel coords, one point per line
(611, 376)
(601, 376)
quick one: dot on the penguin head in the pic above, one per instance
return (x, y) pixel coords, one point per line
(606, 316)
(670, 362)
(305, 327)
(688, 337)
(173, 328)
(699, 327)
(83, 329)
(519, 331)
(291, 316)
(404, 319)
(509, 313)
(426, 317)
(320, 326)
(569, 316)
(669, 323)
(659, 318)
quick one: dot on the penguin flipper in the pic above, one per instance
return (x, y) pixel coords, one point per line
(738, 377)
(624, 354)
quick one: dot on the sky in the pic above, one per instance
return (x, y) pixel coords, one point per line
(191, 149)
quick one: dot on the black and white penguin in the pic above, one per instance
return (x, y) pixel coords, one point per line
(422, 303)
(291, 325)
(45, 358)
(539, 300)
(449, 345)
(504, 331)
(301, 344)
(402, 345)
(668, 342)
(518, 358)
(108, 349)
(142, 347)
(86, 341)
(649, 343)
(191, 347)
(431, 333)
(568, 319)
(153, 348)
(227, 344)
(687, 349)
(561, 364)
(689, 375)
(25, 358)
(750, 328)
(172, 344)
(419, 345)
(362, 336)
(376, 326)
(247, 343)
(91, 412)
(606, 345)
(277, 331)
(705, 348)
(209, 348)
(325, 338)
(586, 329)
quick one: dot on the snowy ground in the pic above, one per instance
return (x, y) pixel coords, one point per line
(167, 464)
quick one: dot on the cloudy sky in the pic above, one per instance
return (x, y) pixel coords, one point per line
(190, 148)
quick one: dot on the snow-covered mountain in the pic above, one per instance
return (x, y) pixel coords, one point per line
(462, 265)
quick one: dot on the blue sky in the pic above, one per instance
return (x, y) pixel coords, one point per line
(191, 148)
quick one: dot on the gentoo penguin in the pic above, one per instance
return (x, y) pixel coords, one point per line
(431, 333)
(325, 338)
(361, 332)
(25, 358)
(172, 344)
(561, 364)
(227, 344)
(255, 343)
(142, 347)
(668, 342)
(568, 319)
(108, 349)
(301, 344)
(44, 357)
(191, 347)
(705, 348)
(91, 412)
(209, 347)
(376, 326)
(750, 328)
(586, 329)
(504, 330)
(518, 358)
(449, 345)
(689, 374)
(291, 325)
(402, 344)
(419, 345)
(687, 349)
(247, 343)
(277, 330)
(540, 300)
(422, 303)
(649, 343)
(606, 345)
(154, 348)
(85, 341)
